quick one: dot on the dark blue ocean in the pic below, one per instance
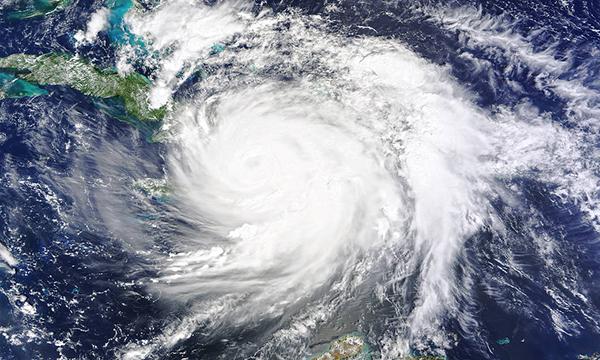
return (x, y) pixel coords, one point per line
(74, 284)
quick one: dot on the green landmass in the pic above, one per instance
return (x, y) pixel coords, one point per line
(354, 347)
(349, 347)
(157, 189)
(64, 69)
(36, 8)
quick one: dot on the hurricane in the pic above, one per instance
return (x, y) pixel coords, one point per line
(312, 180)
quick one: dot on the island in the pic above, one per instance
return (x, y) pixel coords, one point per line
(69, 70)
(349, 347)
(36, 8)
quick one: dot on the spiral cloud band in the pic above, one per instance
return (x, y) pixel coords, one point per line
(291, 185)
(312, 167)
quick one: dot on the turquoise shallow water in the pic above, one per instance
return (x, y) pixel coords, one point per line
(13, 87)
(35, 8)
(118, 31)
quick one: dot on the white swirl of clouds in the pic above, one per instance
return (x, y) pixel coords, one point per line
(291, 186)
(363, 152)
